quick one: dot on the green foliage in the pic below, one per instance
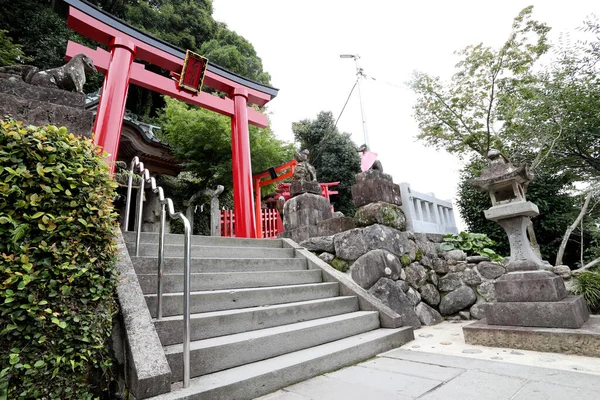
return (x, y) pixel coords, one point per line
(472, 244)
(57, 263)
(587, 284)
(10, 53)
(201, 140)
(333, 155)
(340, 265)
(466, 114)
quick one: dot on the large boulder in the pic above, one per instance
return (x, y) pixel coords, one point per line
(319, 243)
(487, 291)
(454, 256)
(350, 245)
(305, 210)
(478, 310)
(490, 270)
(381, 213)
(430, 295)
(427, 315)
(440, 266)
(392, 296)
(450, 282)
(413, 296)
(376, 264)
(457, 300)
(383, 237)
(327, 257)
(416, 275)
(471, 277)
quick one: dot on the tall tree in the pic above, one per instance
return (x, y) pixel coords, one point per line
(333, 155)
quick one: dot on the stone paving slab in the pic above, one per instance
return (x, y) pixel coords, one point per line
(475, 385)
(327, 388)
(436, 372)
(386, 381)
(546, 391)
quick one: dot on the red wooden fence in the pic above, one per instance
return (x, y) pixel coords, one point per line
(270, 218)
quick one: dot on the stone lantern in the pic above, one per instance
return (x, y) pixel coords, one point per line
(506, 186)
(526, 295)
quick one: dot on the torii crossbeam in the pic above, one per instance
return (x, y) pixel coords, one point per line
(126, 43)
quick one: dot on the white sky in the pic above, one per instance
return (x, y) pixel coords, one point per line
(300, 43)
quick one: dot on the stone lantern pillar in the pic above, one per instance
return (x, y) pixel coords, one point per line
(526, 295)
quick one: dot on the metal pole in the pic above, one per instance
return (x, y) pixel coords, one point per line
(161, 261)
(134, 161)
(186, 301)
(360, 74)
(140, 209)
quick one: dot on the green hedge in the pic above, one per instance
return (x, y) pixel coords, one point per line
(57, 264)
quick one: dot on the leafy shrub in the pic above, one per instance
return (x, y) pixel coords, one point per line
(587, 284)
(472, 244)
(57, 264)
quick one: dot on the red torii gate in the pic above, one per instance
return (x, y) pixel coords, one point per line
(125, 43)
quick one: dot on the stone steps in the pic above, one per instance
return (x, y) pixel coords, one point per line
(170, 238)
(217, 354)
(256, 379)
(148, 264)
(176, 250)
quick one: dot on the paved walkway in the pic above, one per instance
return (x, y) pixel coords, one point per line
(438, 365)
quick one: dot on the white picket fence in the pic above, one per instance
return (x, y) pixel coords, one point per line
(426, 213)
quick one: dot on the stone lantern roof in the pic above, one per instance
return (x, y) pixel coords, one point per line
(499, 171)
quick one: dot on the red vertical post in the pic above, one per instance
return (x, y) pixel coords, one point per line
(257, 213)
(111, 108)
(243, 203)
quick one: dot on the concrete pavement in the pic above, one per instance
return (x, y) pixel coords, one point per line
(438, 365)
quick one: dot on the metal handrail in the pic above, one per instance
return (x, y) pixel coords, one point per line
(166, 206)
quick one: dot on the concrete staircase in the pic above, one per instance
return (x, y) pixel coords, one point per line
(261, 319)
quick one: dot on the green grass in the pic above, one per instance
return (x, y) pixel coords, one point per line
(587, 284)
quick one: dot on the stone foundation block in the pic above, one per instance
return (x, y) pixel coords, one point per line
(532, 286)
(570, 312)
(374, 190)
(381, 213)
(299, 234)
(372, 174)
(305, 210)
(584, 341)
(335, 225)
(14, 86)
(302, 186)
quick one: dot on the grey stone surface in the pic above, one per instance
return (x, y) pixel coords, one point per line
(305, 210)
(490, 270)
(474, 385)
(430, 294)
(584, 341)
(403, 285)
(350, 245)
(392, 296)
(390, 382)
(383, 237)
(450, 282)
(372, 266)
(530, 286)
(460, 266)
(571, 312)
(433, 278)
(455, 255)
(478, 310)
(327, 388)
(477, 259)
(416, 275)
(372, 175)
(430, 371)
(148, 373)
(372, 190)
(471, 277)
(302, 186)
(562, 270)
(428, 315)
(319, 243)
(381, 213)
(457, 300)
(413, 296)
(487, 291)
(335, 225)
(465, 315)
(327, 257)
(522, 265)
(545, 391)
(440, 266)
(299, 234)
(20, 89)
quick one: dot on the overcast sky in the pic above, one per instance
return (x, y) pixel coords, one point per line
(300, 43)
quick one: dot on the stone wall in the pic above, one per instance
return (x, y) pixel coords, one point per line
(410, 273)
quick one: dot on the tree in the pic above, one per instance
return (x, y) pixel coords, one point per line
(201, 140)
(333, 155)
(10, 53)
(464, 115)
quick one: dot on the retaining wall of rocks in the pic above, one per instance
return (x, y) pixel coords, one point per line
(410, 273)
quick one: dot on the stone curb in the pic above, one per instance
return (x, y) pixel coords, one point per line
(387, 317)
(147, 371)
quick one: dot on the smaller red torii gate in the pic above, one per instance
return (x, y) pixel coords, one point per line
(126, 43)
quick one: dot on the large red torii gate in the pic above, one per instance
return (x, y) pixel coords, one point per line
(125, 43)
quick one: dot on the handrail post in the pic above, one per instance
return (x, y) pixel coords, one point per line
(134, 162)
(140, 209)
(161, 260)
(186, 301)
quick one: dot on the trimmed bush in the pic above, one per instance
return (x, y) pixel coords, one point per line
(57, 264)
